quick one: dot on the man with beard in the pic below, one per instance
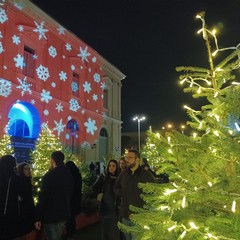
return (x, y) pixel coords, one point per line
(126, 186)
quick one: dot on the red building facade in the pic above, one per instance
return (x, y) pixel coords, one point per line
(48, 77)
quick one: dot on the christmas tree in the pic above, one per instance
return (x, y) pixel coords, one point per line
(45, 145)
(5, 145)
(202, 199)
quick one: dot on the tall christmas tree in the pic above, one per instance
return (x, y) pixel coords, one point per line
(5, 145)
(45, 145)
(202, 200)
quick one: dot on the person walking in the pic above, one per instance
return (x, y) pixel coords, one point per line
(76, 199)
(108, 202)
(126, 186)
(53, 207)
(12, 191)
(27, 204)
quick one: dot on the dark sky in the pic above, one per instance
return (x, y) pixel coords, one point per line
(147, 40)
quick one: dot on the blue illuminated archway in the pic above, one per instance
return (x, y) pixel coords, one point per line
(24, 120)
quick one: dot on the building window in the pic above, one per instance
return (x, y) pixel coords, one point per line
(75, 84)
(105, 98)
(19, 128)
(29, 62)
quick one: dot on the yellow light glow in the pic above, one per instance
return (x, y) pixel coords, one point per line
(194, 135)
(216, 94)
(234, 206)
(216, 133)
(210, 184)
(171, 228)
(146, 227)
(183, 235)
(193, 225)
(170, 151)
(214, 31)
(184, 202)
(169, 191)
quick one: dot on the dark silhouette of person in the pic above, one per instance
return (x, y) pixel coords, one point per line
(12, 192)
(76, 199)
(27, 204)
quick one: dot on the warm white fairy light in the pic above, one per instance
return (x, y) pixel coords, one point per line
(216, 133)
(183, 234)
(146, 227)
(234, 206)
(210, 184)
(171, 228)
(216, 94)
(170, 151)
(169, 191)
(209, 235)
(184, 202)
(169, 139)
(199, 90)
(236, 83)
(192, 224)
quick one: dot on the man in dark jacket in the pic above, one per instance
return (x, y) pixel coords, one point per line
(126, 186)
(53, 207)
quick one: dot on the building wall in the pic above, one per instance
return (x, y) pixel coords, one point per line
(52, 90)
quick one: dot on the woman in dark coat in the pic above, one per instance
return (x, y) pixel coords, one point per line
(27, 204)
(12, 191)
(76, 198)
(109, 202)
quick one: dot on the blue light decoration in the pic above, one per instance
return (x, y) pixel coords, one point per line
(233, 122)
(73, 126)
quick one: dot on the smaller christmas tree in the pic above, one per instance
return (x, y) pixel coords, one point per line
(5, 145)
(45, 145)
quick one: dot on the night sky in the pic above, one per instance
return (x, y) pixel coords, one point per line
(146, 40)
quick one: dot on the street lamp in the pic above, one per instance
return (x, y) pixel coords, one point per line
(139, 119)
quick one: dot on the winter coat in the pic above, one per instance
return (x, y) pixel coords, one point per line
(126, 186)
(109, 202)
(12, 191)
(55, 195)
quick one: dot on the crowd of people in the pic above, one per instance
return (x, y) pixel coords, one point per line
(60, 197)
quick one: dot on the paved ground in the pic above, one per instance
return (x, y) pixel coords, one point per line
(91, 232)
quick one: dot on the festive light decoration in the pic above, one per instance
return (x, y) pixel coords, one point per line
(201, 201)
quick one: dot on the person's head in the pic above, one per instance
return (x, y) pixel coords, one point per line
(7, 166)
(57, 159)
(112, 167)
(24, 169)
(133, 159)
(122, 163)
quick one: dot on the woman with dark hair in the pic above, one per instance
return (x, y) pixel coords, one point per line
(27, 204)
(76, 198)
(109, 202)
(12, 191)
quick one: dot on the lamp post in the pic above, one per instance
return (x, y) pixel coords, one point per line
(139, 119)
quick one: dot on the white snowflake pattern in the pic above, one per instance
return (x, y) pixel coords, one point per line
(59, 107)
(3, 16)
(33, 101)
(5, 87)
(94, 59)
(74, 87)
(16, 39)
(87, 87)
(59, 127)
(90, 70)
(45, 96)
(95, 97)
(19, 5)
(1, 48)
(2, 2)
(96, 77)
(84, 54)
(61, 30)
(74, 105)
(1, 36)
(40, 30)
(90, 126)
(43, 73)
(68, 47)
(24, 86)
(52, 51)
(103, 86)
(73, 67)
(63, 76)
(67, 136)
(19, 61)
(44, 125)
(35, 56)
(46, 112)
(20, 28)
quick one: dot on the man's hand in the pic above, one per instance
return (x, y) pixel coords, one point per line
(38, 225)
